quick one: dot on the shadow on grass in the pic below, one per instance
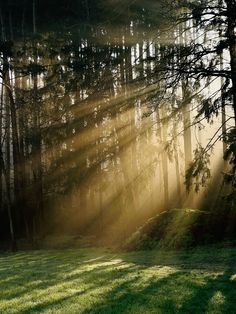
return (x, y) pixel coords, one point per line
(178, 293)
(38, 308)
(122, 283)
(54, 275)
(44, 276)
(125, 298)
(217, 296)
(197, 289)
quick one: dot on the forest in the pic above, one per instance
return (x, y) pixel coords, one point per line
(144, 99)
(118, 130)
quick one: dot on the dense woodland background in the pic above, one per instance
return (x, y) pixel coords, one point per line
(113, 112)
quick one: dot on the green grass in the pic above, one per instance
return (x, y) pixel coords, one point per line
(102, 281)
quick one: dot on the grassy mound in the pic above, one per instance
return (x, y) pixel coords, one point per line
(176, 228)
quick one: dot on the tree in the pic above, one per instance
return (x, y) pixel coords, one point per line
(195, 64)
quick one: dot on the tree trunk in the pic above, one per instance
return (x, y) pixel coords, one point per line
(186, 107)
(34, 15)
(231, 32)
(2, 26)
(15, 138)
(37, 156)
(162, 134)
(1, 144)
(8, 203)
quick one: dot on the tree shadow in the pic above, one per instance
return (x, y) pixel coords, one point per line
(121, 283)
(218, 295)
(179, 292)
(128, 298)
(53, 272)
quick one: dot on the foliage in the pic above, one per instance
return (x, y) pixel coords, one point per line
(198, 172)
(196, 61)
(60, 139)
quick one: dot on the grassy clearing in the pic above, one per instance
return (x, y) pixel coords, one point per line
(102, 281)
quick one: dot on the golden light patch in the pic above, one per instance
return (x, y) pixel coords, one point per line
(216, 301)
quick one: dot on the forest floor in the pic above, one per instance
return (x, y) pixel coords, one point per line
(104, 281)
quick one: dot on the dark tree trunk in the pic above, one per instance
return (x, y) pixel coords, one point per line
(34, 15)
(8, 204)
(231, 9)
